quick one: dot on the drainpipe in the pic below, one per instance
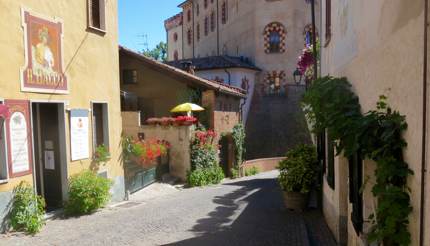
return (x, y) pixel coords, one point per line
(314, 40)
(229, 75)
(424, 135)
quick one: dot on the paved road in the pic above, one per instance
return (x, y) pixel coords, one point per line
(246, 211)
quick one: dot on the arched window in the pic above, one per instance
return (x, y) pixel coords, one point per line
(205, 3)
(274, 38)
(206, 26)
(198, 31)
(175, 37)
(189, 36)
(224, 13)
(189, 15)
(213, 21)
(198, 9)
(308, 36)
(176, 55)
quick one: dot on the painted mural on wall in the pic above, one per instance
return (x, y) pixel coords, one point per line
(19, 138)
(43, 71)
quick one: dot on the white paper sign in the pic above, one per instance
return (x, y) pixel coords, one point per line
(49, 160)
(79, 134)
(19, 143)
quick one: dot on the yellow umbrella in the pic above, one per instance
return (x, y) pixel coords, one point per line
(186, 107)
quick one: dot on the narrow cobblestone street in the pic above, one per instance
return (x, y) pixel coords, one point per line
(246, 211)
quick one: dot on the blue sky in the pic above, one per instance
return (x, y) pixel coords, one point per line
(140, 17)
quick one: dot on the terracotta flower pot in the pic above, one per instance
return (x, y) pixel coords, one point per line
(295, 201)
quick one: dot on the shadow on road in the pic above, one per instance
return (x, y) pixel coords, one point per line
(253, 214)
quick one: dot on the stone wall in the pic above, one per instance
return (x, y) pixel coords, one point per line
(178, 136)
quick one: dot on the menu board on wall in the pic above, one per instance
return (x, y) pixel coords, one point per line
(79, 134)
(19, 138)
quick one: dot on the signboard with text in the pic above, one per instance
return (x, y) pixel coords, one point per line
(43, 71)
(19, 138)
(79, 134)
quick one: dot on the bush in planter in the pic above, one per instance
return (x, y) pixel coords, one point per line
(87, 193)
(299, 170)
(205, 176)
(28, 209)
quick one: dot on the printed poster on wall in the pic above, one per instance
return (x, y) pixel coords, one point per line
(79, 134)
(19, 138)
(43, 70)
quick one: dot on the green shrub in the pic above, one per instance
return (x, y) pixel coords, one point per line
(87, 193)
(238, 134)
(28, 209)
(101, 154)
(299, 170)
(203, 156)
(235, 173)
(252, 171)
(205, 176)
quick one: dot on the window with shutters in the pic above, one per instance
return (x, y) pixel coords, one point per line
(3, 156)
(197, 9)
(327, 22)
(213, 21)
(129, 76)
(355, 194)
(205, 3)
(198, 31)
(321, 151)
(206, 26)
(96, 14)
(330, 162)
(189, 15)
(224, 13)
(175, 37)
(189, 37)
(100, 125)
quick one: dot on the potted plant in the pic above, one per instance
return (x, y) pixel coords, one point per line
(298, 173)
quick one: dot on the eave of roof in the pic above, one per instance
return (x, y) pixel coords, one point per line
(198, 81)
(216, 62)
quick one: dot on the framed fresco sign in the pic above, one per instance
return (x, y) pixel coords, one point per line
(43, 70)
(19, 143)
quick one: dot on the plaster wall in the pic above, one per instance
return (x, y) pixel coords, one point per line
(236, 77)
(82, 52)
(159, 92)
(377, 45)
(174, 45)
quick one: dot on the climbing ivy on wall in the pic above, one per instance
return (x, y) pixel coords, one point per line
(330, 104)
(238, 134)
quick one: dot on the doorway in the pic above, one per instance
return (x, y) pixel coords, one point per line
(49, 145)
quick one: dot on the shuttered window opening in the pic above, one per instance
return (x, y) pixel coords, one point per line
(330, 162)
(327, 22)
(355, 194)
(321, 151)
(96, 14)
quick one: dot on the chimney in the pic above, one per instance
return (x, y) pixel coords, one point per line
(188, 67)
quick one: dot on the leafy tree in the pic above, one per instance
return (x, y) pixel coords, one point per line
(159, 53)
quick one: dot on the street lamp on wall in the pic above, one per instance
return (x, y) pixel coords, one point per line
(297, 76)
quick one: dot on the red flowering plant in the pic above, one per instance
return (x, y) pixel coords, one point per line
(145, 152)
(305, 63)
(167, 121)
(185, 120)
(204, 153)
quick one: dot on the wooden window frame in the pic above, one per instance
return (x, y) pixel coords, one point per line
(102, 16)
(105, 122)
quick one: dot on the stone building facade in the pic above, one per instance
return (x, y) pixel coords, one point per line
(60, 85)
(380, 47)
(269, 34)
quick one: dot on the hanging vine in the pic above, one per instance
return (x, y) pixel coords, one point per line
(330, 104)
